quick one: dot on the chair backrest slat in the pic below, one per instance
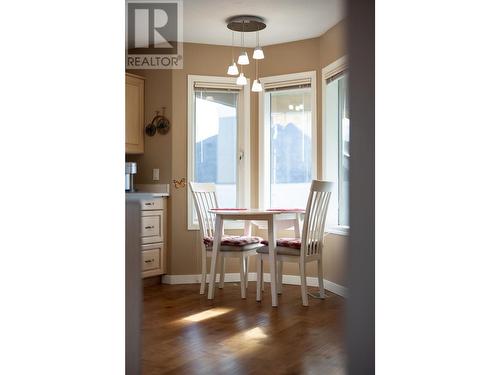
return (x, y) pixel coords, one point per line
(315, 217)
(204, 198)
(212, 203)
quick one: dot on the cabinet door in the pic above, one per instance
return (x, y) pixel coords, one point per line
(134, 114)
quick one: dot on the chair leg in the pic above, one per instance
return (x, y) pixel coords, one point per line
(303, 284)
(320, 279)
(203, 272)
(222, 271)
(262, 273)
(246, 271)
(280, 276)
(259, 278)
(242, 277)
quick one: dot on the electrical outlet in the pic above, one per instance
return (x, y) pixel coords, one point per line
(156, 174)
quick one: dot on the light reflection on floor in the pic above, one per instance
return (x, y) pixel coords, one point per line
(207, 314)
(254, 334)
(245, 341)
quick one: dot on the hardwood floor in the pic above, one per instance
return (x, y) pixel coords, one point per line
(184, 333)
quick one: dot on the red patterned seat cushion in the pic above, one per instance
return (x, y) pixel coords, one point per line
(292, 243)
(233, 240)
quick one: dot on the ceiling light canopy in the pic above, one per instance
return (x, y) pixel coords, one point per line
(246, 24)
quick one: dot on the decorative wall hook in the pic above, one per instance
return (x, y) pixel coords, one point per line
(159, 123)
(151, 127)
(180, 183)
(163, 125)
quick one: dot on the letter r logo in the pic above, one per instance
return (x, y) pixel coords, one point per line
(152, 26)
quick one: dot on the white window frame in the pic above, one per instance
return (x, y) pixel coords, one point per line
(264, 162)
(243, 178)
(331, 153)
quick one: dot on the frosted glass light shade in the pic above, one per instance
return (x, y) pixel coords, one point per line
(258, 54)
(256, 86)
(243, 59)
(242, 81)
(232, 70)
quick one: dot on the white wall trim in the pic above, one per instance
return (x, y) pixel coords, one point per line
(252, 276)
(336, 67)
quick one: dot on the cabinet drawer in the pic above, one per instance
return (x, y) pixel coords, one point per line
(152, 204)
(151, 260)
(152, 226)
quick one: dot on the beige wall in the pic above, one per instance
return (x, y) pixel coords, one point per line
(170, 155)
(333, 44)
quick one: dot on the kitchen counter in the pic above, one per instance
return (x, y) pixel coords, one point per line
(145, 194)
(150, 190)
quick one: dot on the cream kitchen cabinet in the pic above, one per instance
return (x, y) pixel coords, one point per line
(134, 114)
(153, 239)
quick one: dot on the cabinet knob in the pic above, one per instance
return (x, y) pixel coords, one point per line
(150, 227)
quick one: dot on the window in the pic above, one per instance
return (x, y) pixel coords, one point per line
(218, 140)
(215, 129)
(336, 143)
(287, 139)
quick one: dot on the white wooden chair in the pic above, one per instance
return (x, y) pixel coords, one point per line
(241, 247)
(302, 250)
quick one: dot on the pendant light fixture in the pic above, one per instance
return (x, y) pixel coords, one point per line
(258, 53)
(245, 24)
(241, 80)
(256, 86)
(232, 70)
(243, 59)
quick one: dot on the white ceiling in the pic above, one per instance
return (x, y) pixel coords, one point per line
(287, 20)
